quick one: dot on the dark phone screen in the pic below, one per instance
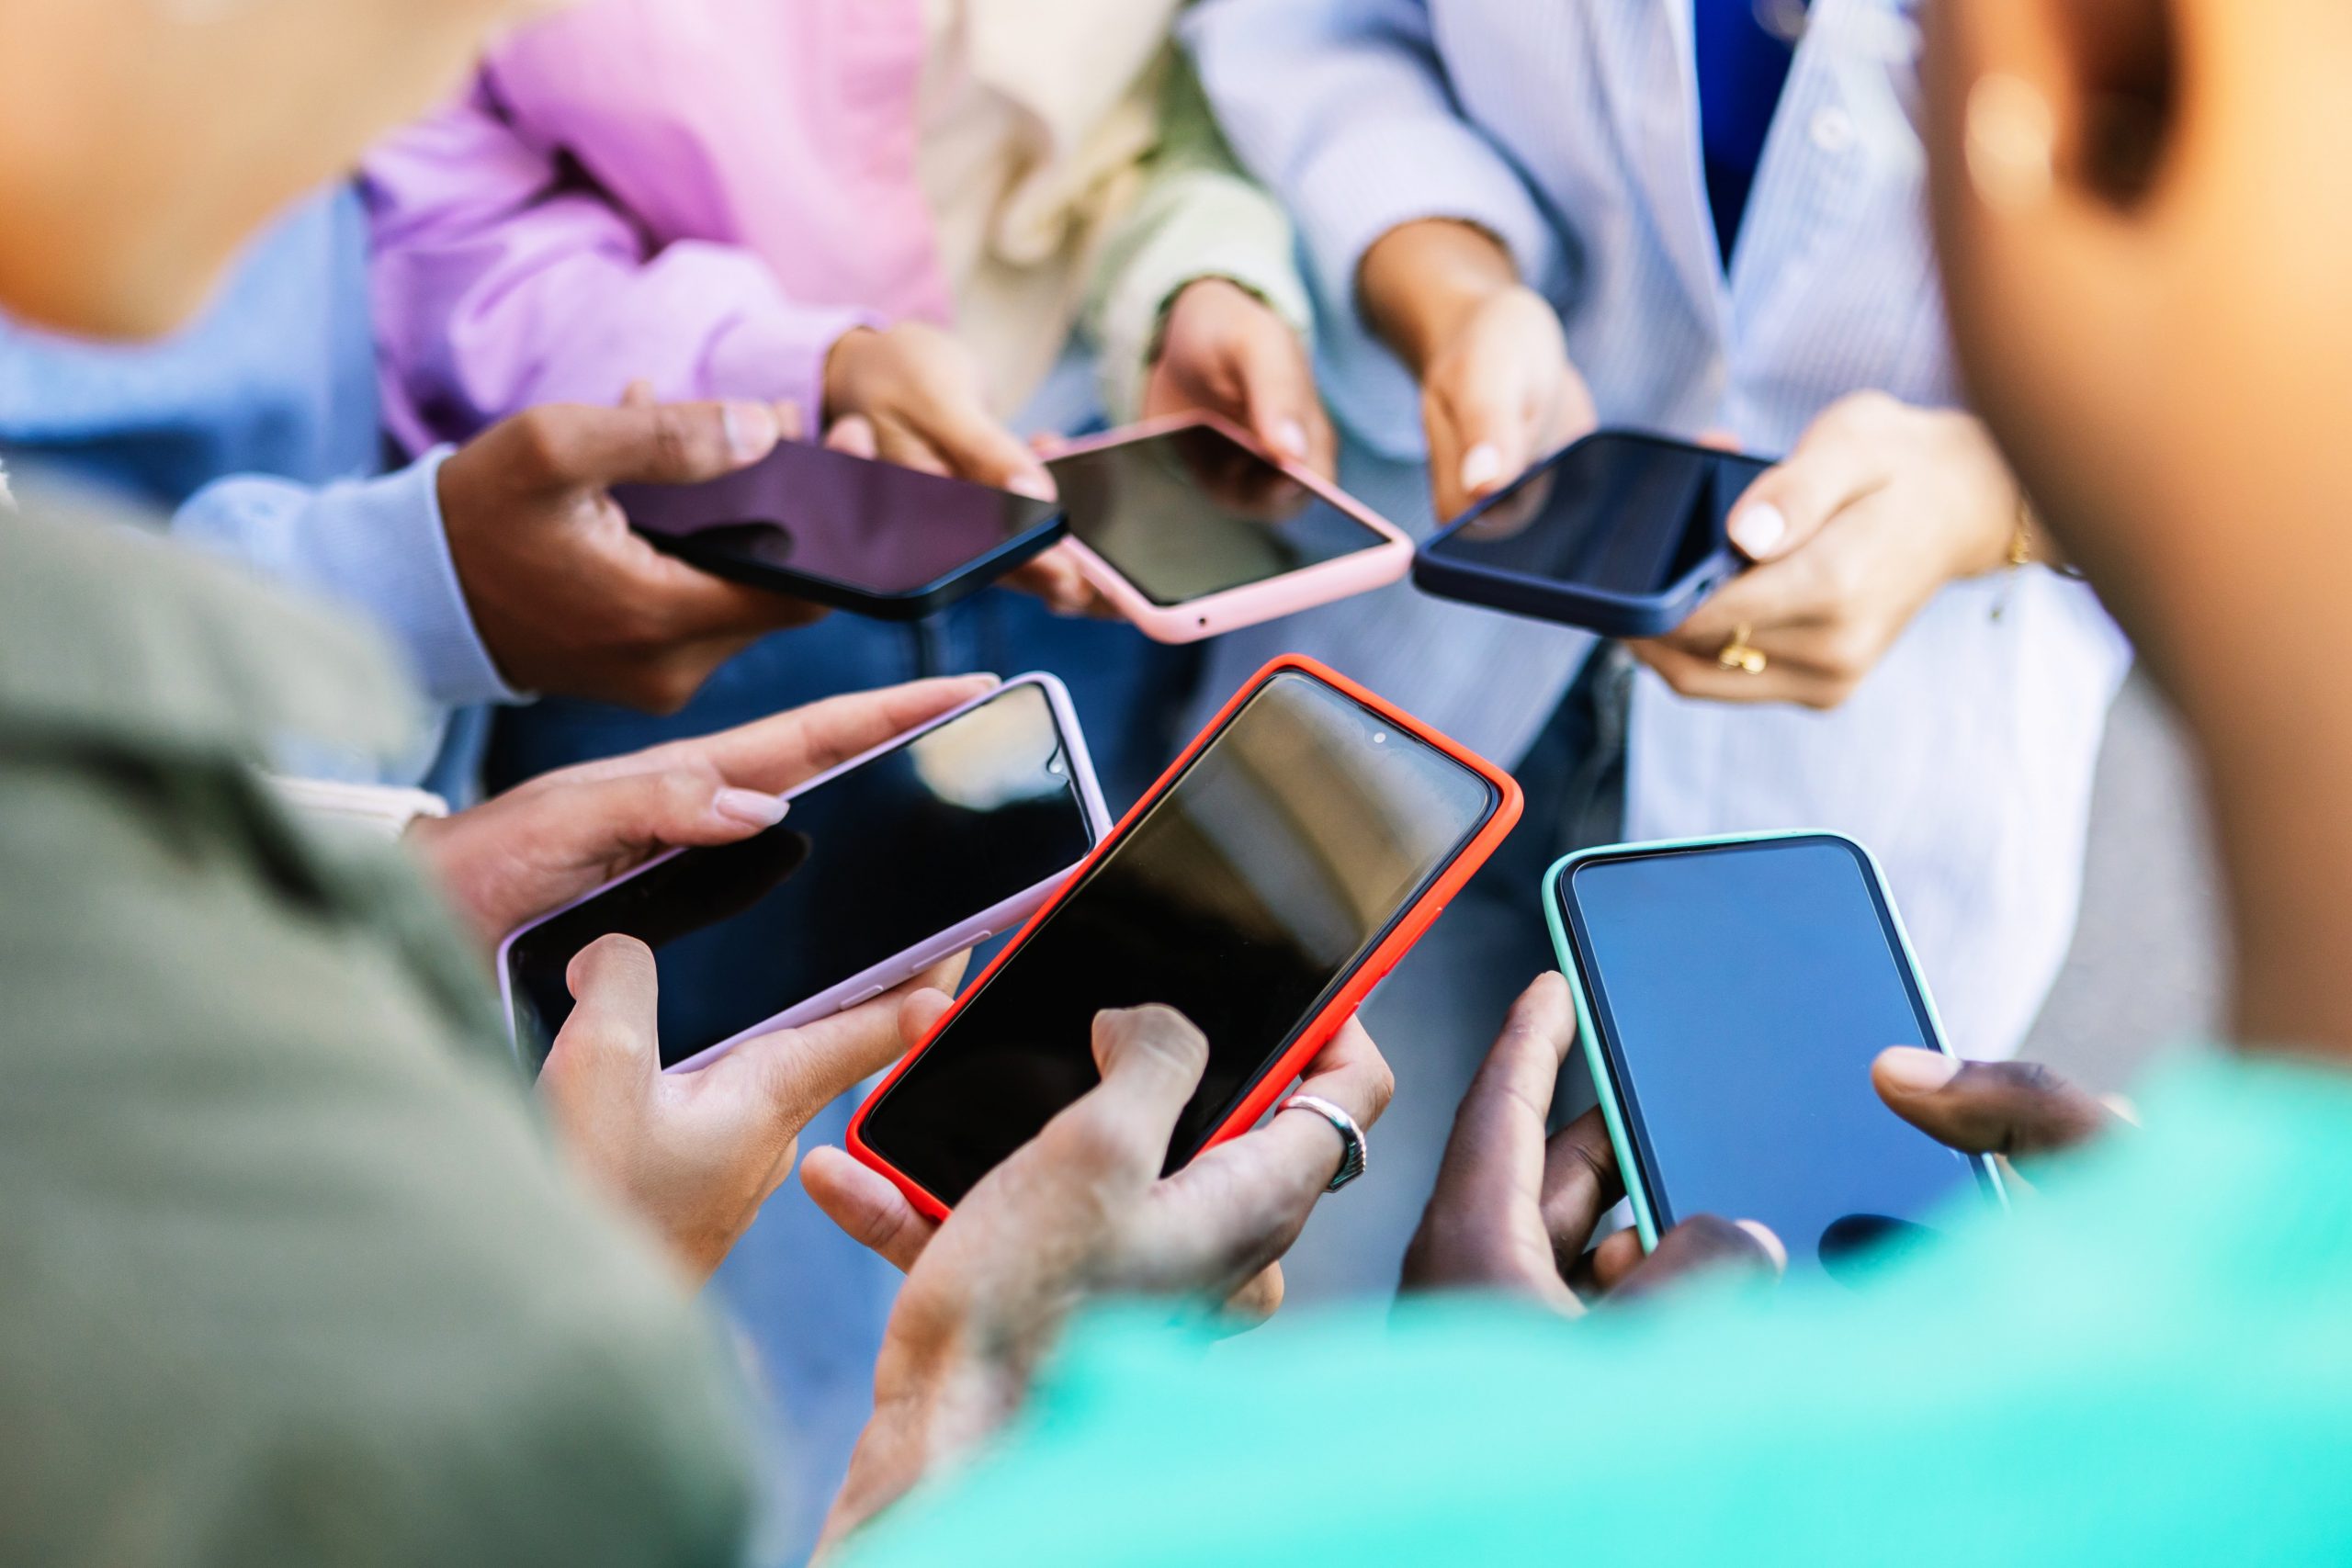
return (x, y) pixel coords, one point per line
(1243, 897)
(1195, 513)
(862, 869)
(1627, 513)
(875, 528)
(1742, 992)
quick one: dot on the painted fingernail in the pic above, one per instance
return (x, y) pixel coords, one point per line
(1481, 466)
(1769, 1243)
(1759, 529)
(1036, 484)
(1290, 438)
(749, 807)
(1921, 1072)
(750, 430)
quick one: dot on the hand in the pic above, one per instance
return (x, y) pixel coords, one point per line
(568, 599)
(696, 1154)
(1880, 505)
(1080, 1212)
(1498, 390)
(544, 844)
(1225, 350)
(917, 393)
(2017, 1111)
(1515, 1211)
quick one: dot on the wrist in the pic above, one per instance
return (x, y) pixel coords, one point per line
(1422, 281)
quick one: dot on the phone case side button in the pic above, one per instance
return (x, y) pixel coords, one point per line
(864, 996)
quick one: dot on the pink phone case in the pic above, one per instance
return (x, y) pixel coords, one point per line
(904, 966)
(1247, 605)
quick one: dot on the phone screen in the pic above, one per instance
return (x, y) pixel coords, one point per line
(1741, 993)
(1195, 513)
(1631, 514)
(875, 527)
(1243, 897)
(863, 868)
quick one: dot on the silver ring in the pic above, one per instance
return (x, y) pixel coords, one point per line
(1351, 1143)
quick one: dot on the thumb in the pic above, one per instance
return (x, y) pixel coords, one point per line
(1152, 1059)
(612, 819)
(611, 1039)
(1278, 392)
(1790, 503)
(645, 444)
(975, 447)
(866, 1205)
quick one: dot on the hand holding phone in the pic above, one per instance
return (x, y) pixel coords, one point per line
(1622, 533)
(1260, 889)
(851, 532)
(915, 850)
(1732, 995)
(1189, 529)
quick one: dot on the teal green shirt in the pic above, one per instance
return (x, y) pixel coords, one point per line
(2152, 1362)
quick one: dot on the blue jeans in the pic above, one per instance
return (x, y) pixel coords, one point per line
(811, 1302)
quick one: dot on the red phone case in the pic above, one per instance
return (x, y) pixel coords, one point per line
(1374, 966)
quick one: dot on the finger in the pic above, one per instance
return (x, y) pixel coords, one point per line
(852, 434)
(778, 753)
(1256, 1302)
(1484, 1225)
(1478, 443)
(613, 822)
(1618, 1255)
(800, 1071)
(638, 394)
(920, 1013)
(660, 443)
(866, 1205)
(1580, 1184)
(1278, 396)
(1703, 1245)
(2017, 1108)
(611, 1037)
(791, 423)
(1839, 460)
(975, 447)
(1056, 578)
(1152, 1059)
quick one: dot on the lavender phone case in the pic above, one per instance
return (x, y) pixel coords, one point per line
(871, 983)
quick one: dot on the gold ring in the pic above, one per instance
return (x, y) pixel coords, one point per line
(1737, 655)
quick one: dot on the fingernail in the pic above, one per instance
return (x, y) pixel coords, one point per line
(1481, 466)
(1037, 485)
(748, 806)
(1290, 438)
(1769, 1243)
(750, 430)
(1921, 1072)
(1759, 529)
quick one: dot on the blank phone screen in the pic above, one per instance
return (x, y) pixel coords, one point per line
(871, 526)
(865, 867)
(1244, 897)
(1193, 513)
(1627, 513)
(1741, 994)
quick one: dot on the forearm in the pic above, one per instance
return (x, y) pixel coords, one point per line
(1420, 280)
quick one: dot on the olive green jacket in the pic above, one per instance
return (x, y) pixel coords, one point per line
(289, 1273)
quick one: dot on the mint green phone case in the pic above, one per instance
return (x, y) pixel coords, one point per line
(1611, 1104)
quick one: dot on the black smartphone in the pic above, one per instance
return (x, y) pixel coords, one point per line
(1261, 889)
(1622, 533)
(869, 537)
(1735, 993)
(880, 868)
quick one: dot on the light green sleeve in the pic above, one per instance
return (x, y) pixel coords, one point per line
(1199, 216)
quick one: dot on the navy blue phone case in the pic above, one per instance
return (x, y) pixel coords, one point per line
(1607, 611)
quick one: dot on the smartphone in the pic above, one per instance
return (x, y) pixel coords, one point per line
(1263, 887)
(1731, 995)
(881, 867)
(1622, 534)
(870, 538)
(1191, 529)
